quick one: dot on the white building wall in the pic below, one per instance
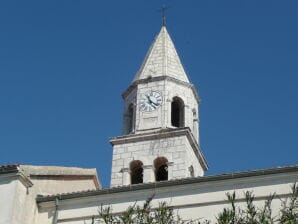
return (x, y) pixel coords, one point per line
(18, 197)
(24, 205)
(7, 197)
(190, 200)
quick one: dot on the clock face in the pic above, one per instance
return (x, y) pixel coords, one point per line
(150, 101)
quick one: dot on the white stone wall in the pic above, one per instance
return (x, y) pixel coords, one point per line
(186, 94)
(161, 117)
(130, 99)
(176, 150)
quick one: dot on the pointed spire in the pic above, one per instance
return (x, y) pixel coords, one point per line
(162, 59)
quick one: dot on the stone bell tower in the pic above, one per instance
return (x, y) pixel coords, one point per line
(160, 138)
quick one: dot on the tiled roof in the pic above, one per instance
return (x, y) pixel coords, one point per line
(177, 182)
(9, 168)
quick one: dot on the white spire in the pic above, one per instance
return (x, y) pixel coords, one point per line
(162, 60)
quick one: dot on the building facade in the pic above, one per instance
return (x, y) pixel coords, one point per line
(157, 154)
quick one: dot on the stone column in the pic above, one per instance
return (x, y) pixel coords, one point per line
(170, 170)
(148, 174)
(169, 113)
(125, 176)
(134, 117)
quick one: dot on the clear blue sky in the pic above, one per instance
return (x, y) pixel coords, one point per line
(64, 65)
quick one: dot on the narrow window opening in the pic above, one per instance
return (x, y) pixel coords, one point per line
(194, 114)
(136, 169)
(191, 171)
(161, 169)
(195, 120)
(130, 117)
(177, 112)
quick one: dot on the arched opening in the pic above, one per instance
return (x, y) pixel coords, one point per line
(161, 169)
(136, 170)
(130, 117)
(177, 112)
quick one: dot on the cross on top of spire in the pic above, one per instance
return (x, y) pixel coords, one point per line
(163, 14)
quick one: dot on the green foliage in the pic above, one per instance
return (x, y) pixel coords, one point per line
(289, 210)
(249, 214)
(234, 214)
(140, 214)
(253, 215)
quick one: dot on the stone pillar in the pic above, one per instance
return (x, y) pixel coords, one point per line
(187, 117)
(134, 116)
(170, 170)
(169, 113)
(125, 176)
(148, 174)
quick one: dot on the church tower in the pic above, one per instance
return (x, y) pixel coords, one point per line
(160, 138)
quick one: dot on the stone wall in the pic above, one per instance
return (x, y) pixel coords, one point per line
(177, 150)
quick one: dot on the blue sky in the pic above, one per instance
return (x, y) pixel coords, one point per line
(64, 65)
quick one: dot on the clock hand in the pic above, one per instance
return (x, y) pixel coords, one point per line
(153, 103)
(153, 100)
(148, 97)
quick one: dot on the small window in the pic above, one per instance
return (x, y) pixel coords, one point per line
(194, 114)
(161, 169)
(177, 112)
(191, 171)
(136, 169)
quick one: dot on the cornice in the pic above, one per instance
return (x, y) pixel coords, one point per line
(165, 133)
(160, 78)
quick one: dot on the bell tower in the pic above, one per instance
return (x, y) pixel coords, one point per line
(160, 138)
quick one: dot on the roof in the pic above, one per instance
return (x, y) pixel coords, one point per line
(14, 171)
(61, 172)
(162, 60)
(51, 172)
(9, 168)
(185, 181)
(57, 170)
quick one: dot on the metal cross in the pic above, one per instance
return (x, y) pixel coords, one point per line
(163, 14)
